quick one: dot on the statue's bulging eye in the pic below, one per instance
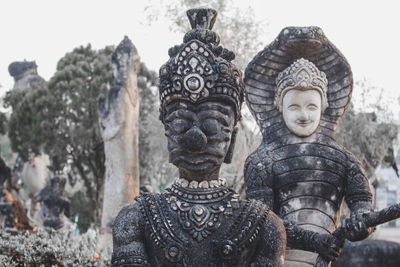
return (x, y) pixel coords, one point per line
(180, 125)
(210, 126)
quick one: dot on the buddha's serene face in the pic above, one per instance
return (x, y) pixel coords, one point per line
(199, 135)
(302, 111)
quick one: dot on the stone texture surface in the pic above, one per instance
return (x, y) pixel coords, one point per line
(304, 179)
(119, 114)
(198, 221)
(24, 73)
(371, 253)
(34, 173)
(54, 203)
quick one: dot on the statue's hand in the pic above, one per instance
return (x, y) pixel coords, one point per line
(356, 229)
(328, 246)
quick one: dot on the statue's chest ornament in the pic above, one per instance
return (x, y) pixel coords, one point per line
(201, 211)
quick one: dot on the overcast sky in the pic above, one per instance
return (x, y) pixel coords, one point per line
(367, 32)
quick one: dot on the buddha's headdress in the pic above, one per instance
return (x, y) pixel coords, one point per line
(301, 75)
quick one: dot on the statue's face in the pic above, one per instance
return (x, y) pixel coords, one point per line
(198, 135)
(302, 111)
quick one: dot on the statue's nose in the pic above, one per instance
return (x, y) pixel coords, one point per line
(303, 116)
(195, 140)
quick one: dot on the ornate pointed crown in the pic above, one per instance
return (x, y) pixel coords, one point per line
(302, 75)
(199, 69)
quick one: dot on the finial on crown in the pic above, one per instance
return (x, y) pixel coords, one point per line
(301, 75)
(202, 18)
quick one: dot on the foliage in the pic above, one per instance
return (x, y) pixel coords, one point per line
(60, 118)
(83, 207)
(52, 248)
(65, 124)
(24, 128)
(237, 27)
(370, 133)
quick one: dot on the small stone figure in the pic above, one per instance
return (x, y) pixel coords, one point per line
(54, 203)
(298, 88)
(198, 221)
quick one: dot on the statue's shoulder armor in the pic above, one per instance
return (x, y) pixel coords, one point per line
(242, 235)
(258, 178)
(128, 237)
(129, 215)
(258, 166)
(247, 225)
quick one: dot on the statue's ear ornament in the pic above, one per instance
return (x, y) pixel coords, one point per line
(199, 69)
(301, 75)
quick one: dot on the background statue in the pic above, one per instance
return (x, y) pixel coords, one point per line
(34, 173)
(298, 88)
(118, 119)
(198, 221)
(54, 203)
(24, 73)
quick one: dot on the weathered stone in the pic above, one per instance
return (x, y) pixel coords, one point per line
(299, 170)
(54, 203)
(34, 173)
(371, 253)
(25, 74)
(119, 114)
(198, 221)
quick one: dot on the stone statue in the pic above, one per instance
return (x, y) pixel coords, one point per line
(34, 173)
(198, 221)
(54, 203)
(118, 119)
(25, 74)
(298, 88)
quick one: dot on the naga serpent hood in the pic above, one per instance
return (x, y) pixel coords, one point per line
(291, 44)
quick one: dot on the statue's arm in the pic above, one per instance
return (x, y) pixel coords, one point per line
(270, 251)
(358, 194)
(359, 199)
(324, 244)
(258, 181)
(128, 238)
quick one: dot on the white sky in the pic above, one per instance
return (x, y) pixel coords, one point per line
(367, 32)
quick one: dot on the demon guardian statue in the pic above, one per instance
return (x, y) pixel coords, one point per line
(298, 88)
(198, 221)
